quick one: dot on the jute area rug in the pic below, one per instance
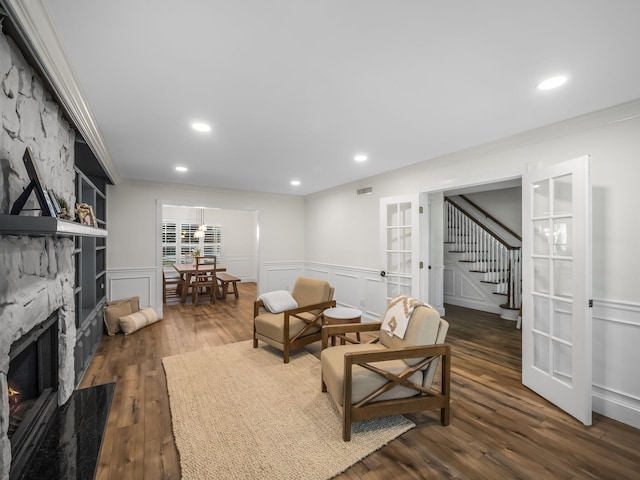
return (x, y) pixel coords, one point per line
(238, 412)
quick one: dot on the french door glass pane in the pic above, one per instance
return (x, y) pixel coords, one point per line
(393, 218)
(541, 351)
(562, 278)
(392, 239)
(562, 365)
(541, 275)
(541, 198)
(562, 191)
(541, 237)
(562, 236)
(393, 262)
(562, 317)
(405, 263)
(404, 238)
(404, 213)
(541, 313)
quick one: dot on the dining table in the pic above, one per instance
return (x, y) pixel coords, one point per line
(187, 270)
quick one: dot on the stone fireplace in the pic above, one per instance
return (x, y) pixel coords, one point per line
(37, 273)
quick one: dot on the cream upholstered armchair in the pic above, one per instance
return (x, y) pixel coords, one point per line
(391, 376)
(297, 324)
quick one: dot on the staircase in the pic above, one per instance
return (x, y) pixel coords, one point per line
(488, 256)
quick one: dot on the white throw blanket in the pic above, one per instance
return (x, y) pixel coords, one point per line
(396, 318)
(278, 301)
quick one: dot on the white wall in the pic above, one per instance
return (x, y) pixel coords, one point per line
(133, 214)
(611, 138)
(239, 236)
(504, 205)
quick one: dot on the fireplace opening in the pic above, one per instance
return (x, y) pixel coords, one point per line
(32, 383)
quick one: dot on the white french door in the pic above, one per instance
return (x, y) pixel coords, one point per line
(400, 241)
(556, 284)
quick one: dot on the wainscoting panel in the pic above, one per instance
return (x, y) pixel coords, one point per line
(468, 291)
(141, 282)
(279, 276)
(460, 290)
(242, 266)
(436, 293)
(348, 284)
(375, 303)
(616, 383)
(449, 281)
(317, 272)
(355, 288)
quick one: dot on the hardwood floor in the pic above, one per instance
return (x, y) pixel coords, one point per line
(499, 429)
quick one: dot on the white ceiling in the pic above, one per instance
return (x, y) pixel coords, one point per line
(295, 88)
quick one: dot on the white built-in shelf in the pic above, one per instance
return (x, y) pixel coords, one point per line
(36, 226)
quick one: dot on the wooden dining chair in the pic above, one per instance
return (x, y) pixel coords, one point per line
(204, 280)
(170, 285)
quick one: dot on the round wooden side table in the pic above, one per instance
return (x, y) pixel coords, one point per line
(340, 315)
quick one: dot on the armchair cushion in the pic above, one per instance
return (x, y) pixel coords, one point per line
(425, 328)
(363, 381)
(278, 301)
(296, 327)
(270, 325)
(309, 291)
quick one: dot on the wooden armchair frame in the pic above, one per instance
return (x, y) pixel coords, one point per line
(297, 341)
(426, 398)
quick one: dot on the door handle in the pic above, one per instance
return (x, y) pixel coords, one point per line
(383, 273)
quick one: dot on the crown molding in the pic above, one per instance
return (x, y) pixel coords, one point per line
(33, 20)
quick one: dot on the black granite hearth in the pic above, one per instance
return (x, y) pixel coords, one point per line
(71, 446)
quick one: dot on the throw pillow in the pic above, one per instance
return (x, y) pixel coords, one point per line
(278, 301)
(116, 309)
(134, 301)
(137, 320)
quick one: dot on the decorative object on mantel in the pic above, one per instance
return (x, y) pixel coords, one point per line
(44, 200)
(63, 213)
(85, 215)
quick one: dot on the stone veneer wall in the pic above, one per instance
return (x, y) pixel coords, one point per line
(37, 274)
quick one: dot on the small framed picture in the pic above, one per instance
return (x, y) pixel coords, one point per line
(50, 206)
(54, 201)
(85, 214)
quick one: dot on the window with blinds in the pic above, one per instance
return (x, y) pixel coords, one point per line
(178, 237)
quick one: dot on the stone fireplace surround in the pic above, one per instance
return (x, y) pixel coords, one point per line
(37, 274)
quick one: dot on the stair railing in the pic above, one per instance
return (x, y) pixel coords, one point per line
(500, 262)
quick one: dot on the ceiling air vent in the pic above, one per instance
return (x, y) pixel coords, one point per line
(364, 191)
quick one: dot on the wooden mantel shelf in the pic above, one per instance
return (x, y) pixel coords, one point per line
(36, 226)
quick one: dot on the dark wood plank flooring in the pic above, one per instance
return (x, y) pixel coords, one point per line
(499, 429)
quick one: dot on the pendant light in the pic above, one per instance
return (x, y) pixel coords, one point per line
(200, 220)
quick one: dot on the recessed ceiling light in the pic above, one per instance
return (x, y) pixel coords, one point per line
(181, 169)
(201, 127)
(360, 158)
(553, 82)
(295, 183)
